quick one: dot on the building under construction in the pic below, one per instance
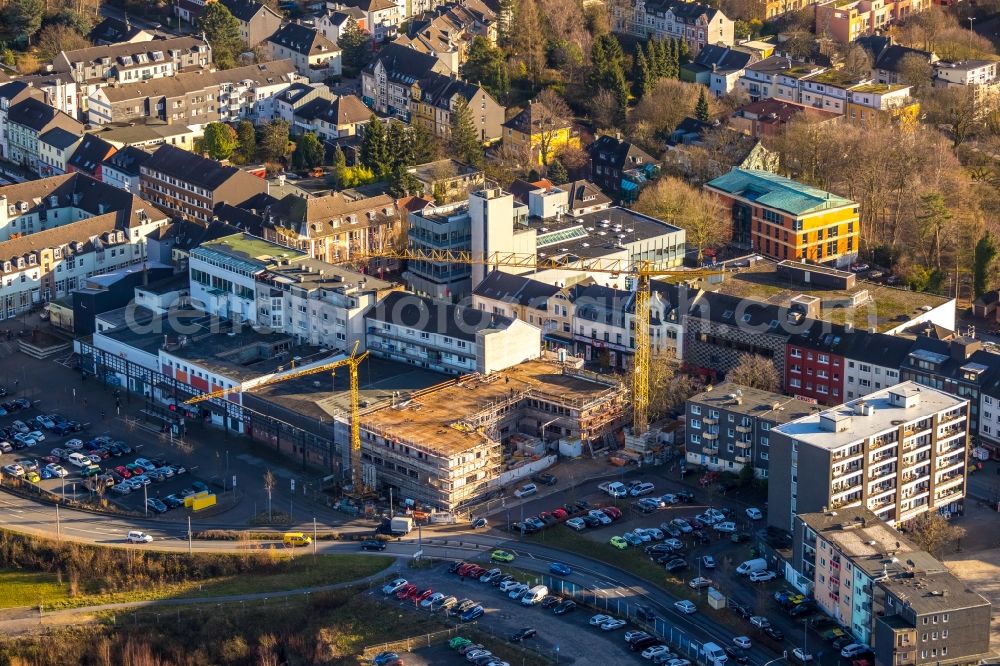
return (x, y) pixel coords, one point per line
(454, 443)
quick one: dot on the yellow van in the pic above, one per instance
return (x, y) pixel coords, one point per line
(293, 539)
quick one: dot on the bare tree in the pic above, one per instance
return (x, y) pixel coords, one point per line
(668, 387)
(697, 212)
(917, 71)
(857, 61)
(552, 116)
(755, 372)
(932, 532)
(269, 487)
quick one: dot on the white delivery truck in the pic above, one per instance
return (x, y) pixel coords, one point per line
(534, 595)
(401, 525)
(713, 654)
(752, 566)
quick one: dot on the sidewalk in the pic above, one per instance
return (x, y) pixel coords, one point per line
(85, 614)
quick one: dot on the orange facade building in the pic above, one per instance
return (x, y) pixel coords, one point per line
(783, 219)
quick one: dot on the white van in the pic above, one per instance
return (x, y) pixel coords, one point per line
(714, 654)
(135, 536)
(752, 566)
(78, 459)
(534, 595)
(524, 491)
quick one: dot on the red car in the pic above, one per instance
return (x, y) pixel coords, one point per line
(612, 512)
(465, 569)
(406, 591)
(123, 471)
(423, 594)
(476, 571)
(560, 514)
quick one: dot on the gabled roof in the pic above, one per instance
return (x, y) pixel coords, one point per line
(294, 92)
(777, 192)
(267, 73)
(59, 138)
(688, 128)
(128, 161)
(302, 39)
(585, 194)
(316, 217)
(404, 64)
(113, 31)
(609, 151)
(685, 12)
(188, 167)
(520, 188)
(90, 153)
(14, 90)
(93, 54)
(510, 288)
(887, 56)
(723, 58)
(530, 120)
(438, 90)
(346, 110)
(39, 116)
(245, 10)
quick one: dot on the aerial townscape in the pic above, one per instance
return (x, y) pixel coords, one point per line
(492, 332)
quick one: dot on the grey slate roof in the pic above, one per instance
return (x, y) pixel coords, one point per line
(302, 39)
(90, 153)
(511, 288)
(128, 160)
(426, 314)
(59, 138)
(189, 167)
(403, 64)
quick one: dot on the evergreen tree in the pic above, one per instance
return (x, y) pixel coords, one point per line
(425, 144)
(487, 65)
(338, 170)
(643, 74)
(222, 30)
(683, 53)
(608, 73)
(465, 145)
(274, 140)
(985, 253)
(309, 152)
(354, 51)
(701, 109)
(557, 172)
(660, 50)
(22, 19)
(374, 148)
(506, 21)
(246, 137)
(527, 43)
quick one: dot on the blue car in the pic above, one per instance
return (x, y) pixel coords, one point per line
(559, 569)
(473, 613)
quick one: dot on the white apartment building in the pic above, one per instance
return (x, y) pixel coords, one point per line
(899, 452)
(776, 77)
(453, 339)
(981, 75)
(862, 378)
(696, 24)
(319, 303)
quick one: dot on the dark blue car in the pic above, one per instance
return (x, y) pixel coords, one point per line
(559, 569)
(473, 613)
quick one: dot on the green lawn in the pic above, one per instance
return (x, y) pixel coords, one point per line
(21, 589)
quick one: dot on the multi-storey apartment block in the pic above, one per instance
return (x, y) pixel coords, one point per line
(888, 593)
(784, 219)
(695, 24)
(191, 186)
(728, 427)
(900, 452)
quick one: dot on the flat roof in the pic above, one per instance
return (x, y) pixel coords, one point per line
(434, 419)
(324, 397)
(597, 233)
(932, 591)
(311, 273)
(774, 191)
(755, 402)
(807, 430)
(250, 248)
(883, 311)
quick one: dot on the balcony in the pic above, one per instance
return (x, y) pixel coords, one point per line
(745, 460)
(710, 450)
(710, 435)
(950, 496)
(710, 421)
(743, 429)
(740, 444)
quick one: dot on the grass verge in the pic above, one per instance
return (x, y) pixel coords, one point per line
(293, 573)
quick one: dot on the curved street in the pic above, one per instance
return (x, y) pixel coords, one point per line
(603, 580)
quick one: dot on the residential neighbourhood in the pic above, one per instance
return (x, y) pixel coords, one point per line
(490, 281)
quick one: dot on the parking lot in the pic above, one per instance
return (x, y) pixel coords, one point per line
(77, 459)
(569, 635)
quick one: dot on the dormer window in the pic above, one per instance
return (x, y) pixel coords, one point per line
(32, 259)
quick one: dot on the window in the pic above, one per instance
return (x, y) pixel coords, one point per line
(696, 409)
(944, 618)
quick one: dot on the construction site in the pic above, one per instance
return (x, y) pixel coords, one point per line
(461, 441)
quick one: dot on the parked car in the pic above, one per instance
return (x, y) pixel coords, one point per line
(727, 527)
(613, 624)
(544, 478)
(156, 505)
(525, 490)
(523, 634)
(676, 564)
(707, 562)
(754, 514)
(473, 613)
(619, 543)
(642, 489)
(854, 650)
(564, 607)
(578, 524)
(762, 576)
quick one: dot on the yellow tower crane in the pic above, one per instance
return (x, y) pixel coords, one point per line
(641, 272)
(352, 362)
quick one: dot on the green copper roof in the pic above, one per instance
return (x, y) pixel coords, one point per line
(777, 192)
